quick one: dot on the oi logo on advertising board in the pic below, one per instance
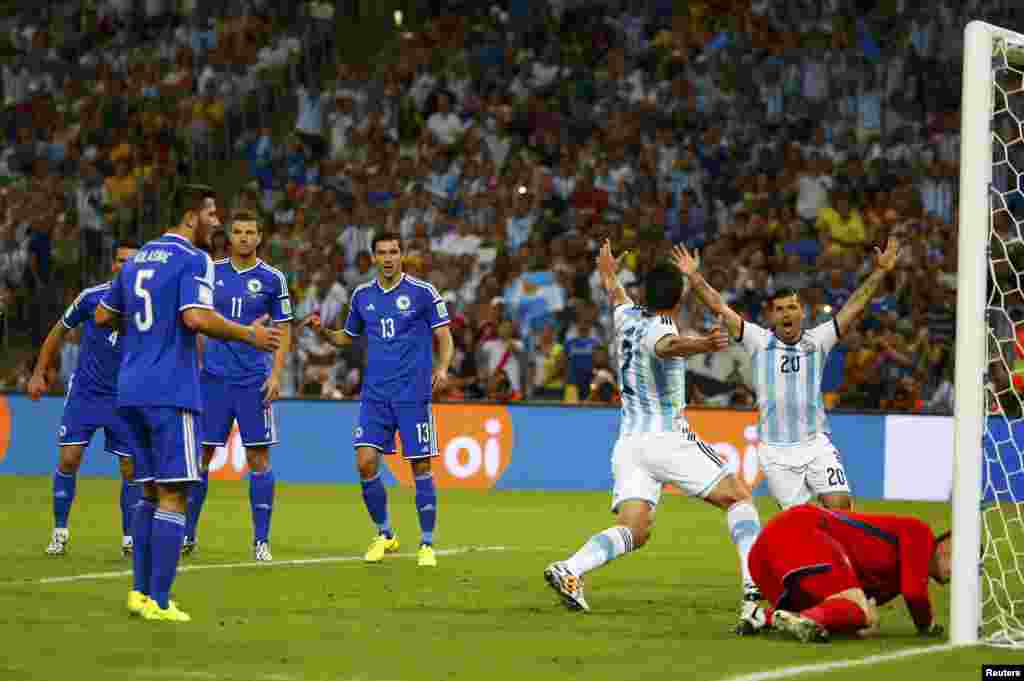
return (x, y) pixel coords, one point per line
(474, 445)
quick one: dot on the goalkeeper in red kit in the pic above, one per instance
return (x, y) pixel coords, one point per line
(825, 571)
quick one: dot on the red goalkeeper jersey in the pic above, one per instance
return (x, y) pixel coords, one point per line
(890, 553)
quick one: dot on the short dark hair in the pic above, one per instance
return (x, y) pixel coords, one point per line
(127, 243)
(385, 236)
(190, 197)
(663, 287)
(247, 216)
(943, 537)
(784, 292)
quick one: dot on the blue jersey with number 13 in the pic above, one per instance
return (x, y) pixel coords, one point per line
(159, 366)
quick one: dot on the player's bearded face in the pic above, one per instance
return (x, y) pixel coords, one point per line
(206, 221)
(122, 256)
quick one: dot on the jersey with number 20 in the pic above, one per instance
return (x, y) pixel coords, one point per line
(159, 365)
(788, 381)
(398, 323)
(653, 389)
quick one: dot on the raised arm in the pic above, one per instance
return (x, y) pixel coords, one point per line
(885, 261)
(607, 267)
(688, 265)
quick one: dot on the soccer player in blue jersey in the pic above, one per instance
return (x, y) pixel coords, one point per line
(162, 298)
(796, 453)
(91, 404)
(401, 317)
(240, 382)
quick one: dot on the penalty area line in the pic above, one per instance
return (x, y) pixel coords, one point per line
(277, 563)
(800, 670)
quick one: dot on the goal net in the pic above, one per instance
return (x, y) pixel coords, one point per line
(988, 523)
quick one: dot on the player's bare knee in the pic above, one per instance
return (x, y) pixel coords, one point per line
(839, 502)
(420, 467)
(258, 458)
(639, 518)
(367, 462)
(208, 453)
(70, 459)
(172, 496)
(127, 468)
(728, 492)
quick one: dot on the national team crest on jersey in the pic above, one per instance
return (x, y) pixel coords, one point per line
(254, 286)
(62, 431)
(358, 432)
(403, 303)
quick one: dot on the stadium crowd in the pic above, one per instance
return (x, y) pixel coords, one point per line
(504, 142)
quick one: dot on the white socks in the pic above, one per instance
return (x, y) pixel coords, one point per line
(600, 549)
(744, 526)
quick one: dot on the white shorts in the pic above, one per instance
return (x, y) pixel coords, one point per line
(799, 473)
(642, 463)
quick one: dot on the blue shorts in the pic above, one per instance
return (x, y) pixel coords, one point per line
(85, 412)
(224, 403)
(166, 443)
(378, 422)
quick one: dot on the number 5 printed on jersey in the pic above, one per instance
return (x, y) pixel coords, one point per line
(144, 322)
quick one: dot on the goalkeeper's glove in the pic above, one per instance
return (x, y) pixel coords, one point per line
(932, 631)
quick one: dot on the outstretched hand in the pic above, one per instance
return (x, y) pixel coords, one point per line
(607, 264)
(687, 264)
(886, 260)
(717, 339)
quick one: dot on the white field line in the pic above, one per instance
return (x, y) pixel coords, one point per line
(277, 563)
(800, 670)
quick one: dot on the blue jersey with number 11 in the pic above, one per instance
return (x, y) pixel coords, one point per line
(244, 296)
(159, 366)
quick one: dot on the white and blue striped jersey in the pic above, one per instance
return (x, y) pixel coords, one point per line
(653, 389)
(787, 379)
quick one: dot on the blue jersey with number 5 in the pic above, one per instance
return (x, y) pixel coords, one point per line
(399, 325)
(159, 365)
(244, 296)
(100, 356)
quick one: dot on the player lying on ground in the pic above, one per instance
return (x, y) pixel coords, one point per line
(401, 317)
(239, 382)
(825, 570)
(656, 444)
(162, 299)
(799, 461)
(91, 404)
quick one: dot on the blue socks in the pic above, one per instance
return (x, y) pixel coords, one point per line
(196, 499)
(261, 500)
(376, 499)
(167, 536)
(426, 506)
(63, 497)
(142, 557)
(130, 495)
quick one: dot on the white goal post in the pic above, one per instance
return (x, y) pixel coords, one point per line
(987, 591)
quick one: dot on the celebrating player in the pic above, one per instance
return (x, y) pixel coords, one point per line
(240, 382)
(91, 404)
(401, 316)
(826, 570)
(164, 298)
(797, 456)
(656, 445)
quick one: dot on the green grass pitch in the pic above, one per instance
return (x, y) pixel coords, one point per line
(665, 612)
